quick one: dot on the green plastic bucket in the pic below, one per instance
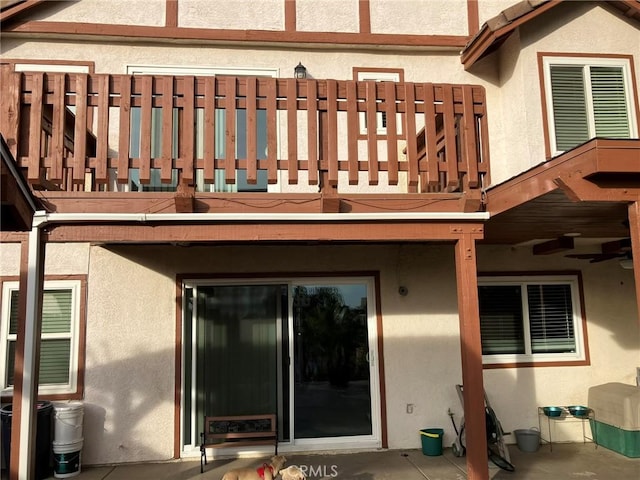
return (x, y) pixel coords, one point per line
(432, 441)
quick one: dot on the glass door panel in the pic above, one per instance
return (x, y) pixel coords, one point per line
(236, 349)
(332, 381)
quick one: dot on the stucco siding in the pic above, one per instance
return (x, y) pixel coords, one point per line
(116, 12)
(327, 16)
(231, 14)
(130, 364)
(436, 17)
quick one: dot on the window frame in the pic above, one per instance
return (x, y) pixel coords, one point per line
(378, 75)
(529, 359)
(547, 60)
(74, 389)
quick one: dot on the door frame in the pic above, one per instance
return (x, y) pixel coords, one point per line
(374, 321)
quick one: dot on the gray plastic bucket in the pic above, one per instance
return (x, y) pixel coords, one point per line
(528, 440)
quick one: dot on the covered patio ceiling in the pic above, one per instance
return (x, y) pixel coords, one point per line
(585, 193)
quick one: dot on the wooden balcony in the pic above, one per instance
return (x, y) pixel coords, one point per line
(86, 135)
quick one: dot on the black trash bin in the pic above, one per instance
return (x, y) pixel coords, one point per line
(44, 467)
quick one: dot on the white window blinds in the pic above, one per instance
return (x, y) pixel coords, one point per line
(587, 100)
(55, 348)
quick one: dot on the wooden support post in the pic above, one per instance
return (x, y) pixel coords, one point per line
(634, 232)
(25, 389)
(474, 409)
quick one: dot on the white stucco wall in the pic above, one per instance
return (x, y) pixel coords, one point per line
(435, 17)
(231, 14)
(131, 336)
(327, 16)
(123, 12)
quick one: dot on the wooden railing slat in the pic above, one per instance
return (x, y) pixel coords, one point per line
(411, 136)
(124, 135)
(372, 126)
(312, 131)
(292, 130)
(272, 132)
(56, 147)
(470, 141)
(430, 135)
(187, 132)
(392, 134)
(230, 130)
(252, 129)
(146, 113)
(10, 119)
(102, 146)
(80, 130)
(35, 128)
(451, 150)
(353, 130)
(209, 129)
(166, 165)
(332, 132)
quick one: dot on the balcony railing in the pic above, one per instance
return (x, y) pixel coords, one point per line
(97, 132)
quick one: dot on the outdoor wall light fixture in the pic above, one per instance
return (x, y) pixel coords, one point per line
(300, 71)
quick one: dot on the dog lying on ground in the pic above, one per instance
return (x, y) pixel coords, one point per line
(292, 473)
(268, 471)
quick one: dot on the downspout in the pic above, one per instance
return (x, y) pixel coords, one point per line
(28, 394)
(35, 260)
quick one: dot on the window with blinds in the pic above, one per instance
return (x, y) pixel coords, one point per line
(530, 319)
(588, 98)
(58, 348)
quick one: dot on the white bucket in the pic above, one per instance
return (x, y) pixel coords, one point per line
(68, 422)
(67, 459)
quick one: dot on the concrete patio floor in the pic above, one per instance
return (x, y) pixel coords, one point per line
(566, 461)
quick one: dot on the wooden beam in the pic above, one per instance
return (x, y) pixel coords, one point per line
(616, 246)
(556, 245)
(578, 189)
(470, 345)
(281, 231)
(171, 13)
(634, 230)
(365, 40)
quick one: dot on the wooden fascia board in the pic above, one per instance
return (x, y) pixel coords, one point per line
(174, 34)
(595, 156)
(482, 43)
(280, 231)
(13, 11)
(162, 202)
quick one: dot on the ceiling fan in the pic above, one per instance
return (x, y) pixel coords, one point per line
(608, 250)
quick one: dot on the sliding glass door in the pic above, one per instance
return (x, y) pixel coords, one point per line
(332, 377)
(303, 350)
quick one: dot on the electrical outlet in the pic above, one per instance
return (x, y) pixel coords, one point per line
(409, 408)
